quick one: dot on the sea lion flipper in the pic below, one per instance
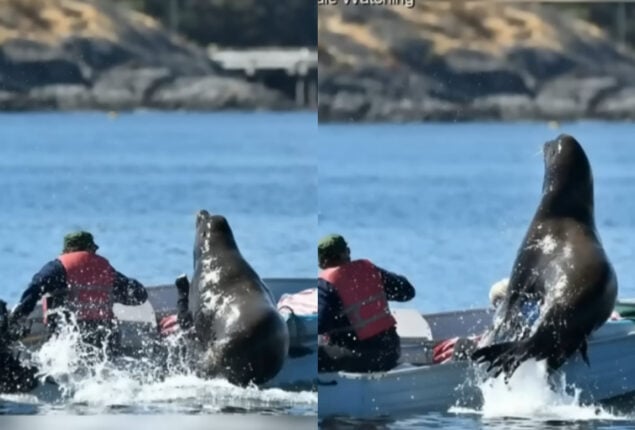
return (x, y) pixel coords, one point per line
(182, 284)
(184, 316)
(504, 357)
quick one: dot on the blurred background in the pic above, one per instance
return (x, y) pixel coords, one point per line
(162, 54)
(467, 60)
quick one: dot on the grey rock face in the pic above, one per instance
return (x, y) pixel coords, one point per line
(387, 66)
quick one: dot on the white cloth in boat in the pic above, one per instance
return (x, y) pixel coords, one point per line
(303, 303)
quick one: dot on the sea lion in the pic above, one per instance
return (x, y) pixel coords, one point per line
(561, 267)
(237, 327)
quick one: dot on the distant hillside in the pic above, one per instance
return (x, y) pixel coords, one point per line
(468, 60)
(77, 54)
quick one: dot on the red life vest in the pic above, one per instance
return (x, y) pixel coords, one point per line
(90, 279)
(361, 290)
(169, 325)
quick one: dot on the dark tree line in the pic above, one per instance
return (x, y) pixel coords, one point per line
(242, 23)
(607, 16)
(604, 16)
(237, 23)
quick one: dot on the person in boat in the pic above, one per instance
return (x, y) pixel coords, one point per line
(84, 285)
(358, 331)
(14, 376)
(459, 348)
(497, 293)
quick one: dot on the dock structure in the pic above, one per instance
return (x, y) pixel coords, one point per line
(291, 70)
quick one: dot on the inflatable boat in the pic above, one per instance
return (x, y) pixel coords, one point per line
(418, 385)
(139, 330)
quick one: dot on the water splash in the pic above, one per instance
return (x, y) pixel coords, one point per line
(89, 382)
(531, 394)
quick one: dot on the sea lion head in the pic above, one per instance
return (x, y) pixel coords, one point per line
(568, 181)
(212, 233)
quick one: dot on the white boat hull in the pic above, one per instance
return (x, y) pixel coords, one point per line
(138, 325)
(438, 387)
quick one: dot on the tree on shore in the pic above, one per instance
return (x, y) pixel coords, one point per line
(237, 23)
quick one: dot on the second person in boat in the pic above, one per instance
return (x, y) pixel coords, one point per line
(85, 285)
(357, 330)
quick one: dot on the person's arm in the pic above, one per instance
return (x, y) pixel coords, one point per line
(328, 305)
(50, 279)
(128, 291)
(397, 287)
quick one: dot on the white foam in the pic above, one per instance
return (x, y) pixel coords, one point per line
(212, 273)
(222, 305)
(28, 399)
(210, 301)
(547, 244)
(230, 314)
(100, 385)
(560, 287)
(528, 395)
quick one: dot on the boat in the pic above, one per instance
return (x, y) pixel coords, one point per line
(139, 329)
(417, 385)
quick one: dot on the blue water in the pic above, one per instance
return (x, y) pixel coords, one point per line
(447, 205)
(137, 180)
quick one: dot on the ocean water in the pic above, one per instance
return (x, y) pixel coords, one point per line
(136, 181)
(447, 205)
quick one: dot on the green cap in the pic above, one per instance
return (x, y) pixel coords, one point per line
(79, 241)
(331, 246)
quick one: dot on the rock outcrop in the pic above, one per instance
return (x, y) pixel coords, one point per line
(77, 54)
(468, 60)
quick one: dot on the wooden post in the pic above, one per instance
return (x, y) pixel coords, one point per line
(300, 90)
(313, 92)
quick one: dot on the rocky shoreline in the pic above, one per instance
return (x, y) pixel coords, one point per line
(443, 62)
(567, 99)
(126, 88)
(78, 55)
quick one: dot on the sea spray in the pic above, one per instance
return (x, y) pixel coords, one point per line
(531, 394)
(90, 383)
